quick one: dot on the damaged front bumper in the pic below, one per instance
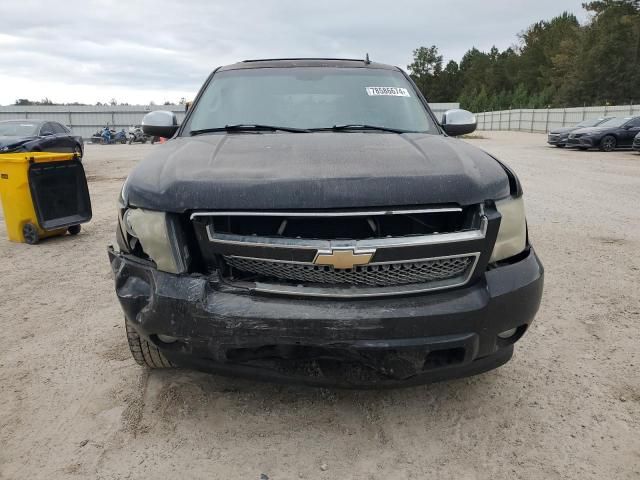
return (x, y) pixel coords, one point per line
(377, 342)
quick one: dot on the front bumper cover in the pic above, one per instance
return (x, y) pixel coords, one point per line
(557, 139)
(588, 142)
(388, 341)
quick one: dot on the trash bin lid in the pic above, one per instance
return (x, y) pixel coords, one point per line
(59, 193)
(36, 157)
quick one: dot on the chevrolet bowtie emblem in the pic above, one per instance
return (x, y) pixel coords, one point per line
(343, 258)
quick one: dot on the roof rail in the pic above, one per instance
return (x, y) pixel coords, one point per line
(306, 58)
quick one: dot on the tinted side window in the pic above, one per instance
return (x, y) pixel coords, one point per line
(46, 129)
(57, 128)
(635, 122)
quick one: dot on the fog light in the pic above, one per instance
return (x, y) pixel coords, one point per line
(167, 339)
(507, 333)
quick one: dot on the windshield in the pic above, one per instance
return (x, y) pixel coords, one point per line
(615, 122)
(310, 98)
(592, 122)
(17, 129)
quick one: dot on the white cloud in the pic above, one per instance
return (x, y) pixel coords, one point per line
(163, 49)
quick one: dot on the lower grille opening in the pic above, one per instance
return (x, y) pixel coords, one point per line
(444, 358)
(284, 352)
(372, 275)
(346, 363)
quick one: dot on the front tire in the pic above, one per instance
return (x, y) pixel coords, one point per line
(143, 352)
(560, 145)
(608, 143)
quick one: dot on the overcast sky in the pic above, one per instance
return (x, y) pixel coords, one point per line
(159, 50)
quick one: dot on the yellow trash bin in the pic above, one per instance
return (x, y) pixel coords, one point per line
(43, 194)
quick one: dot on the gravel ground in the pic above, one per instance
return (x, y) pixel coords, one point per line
(73, 404)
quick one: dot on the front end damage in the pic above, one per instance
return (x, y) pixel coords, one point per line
(202, 321)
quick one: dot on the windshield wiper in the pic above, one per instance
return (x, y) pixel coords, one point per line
(355, 126)
(248, 127)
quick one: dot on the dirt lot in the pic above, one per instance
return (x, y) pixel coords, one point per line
(73, 404)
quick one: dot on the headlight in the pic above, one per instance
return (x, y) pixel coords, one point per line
(512, 236)
(122, 198)
(158, 237)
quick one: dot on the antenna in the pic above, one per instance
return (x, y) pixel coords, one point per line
(366, 60)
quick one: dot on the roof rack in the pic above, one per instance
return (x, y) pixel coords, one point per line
(366, 61)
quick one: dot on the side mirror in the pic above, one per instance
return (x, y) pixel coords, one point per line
(160, 124)
(47, 133)
(458, 122)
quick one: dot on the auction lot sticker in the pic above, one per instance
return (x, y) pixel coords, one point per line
(387, 92)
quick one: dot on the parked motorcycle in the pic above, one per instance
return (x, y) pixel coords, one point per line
(107, 136)
(119, 137)
(97, 137)
(136, 135)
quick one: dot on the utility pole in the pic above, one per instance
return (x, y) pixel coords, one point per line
(546, 126)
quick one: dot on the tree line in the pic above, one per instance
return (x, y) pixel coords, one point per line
(557, 63)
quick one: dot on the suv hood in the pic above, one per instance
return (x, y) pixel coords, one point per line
(263, 171)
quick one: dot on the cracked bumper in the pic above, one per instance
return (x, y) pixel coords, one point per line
(379, 342)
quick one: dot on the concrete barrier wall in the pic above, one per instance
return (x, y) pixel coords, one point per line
(544, 119)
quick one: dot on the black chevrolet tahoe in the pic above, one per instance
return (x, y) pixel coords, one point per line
(311, 220)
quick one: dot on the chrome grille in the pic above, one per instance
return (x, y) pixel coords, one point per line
(419, 250)
(373, 275)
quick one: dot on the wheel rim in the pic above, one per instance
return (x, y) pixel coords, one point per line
(608, 144)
